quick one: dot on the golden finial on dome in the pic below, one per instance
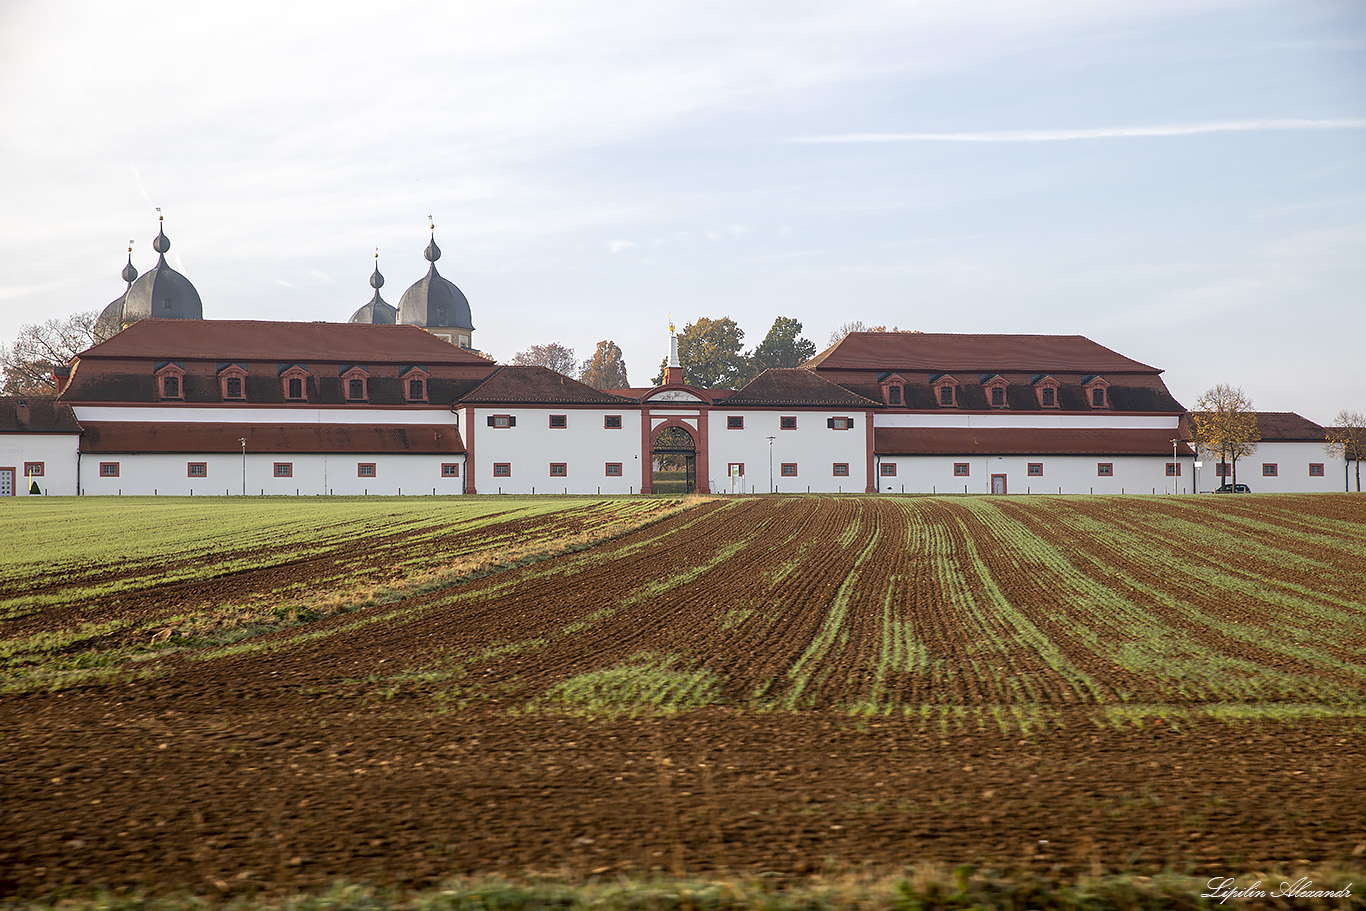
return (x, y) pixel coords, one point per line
(671, 324)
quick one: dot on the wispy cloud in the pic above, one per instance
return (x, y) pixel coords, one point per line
(1177, 129)
(619, 246)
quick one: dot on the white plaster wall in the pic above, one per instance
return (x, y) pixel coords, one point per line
(813, 446)
(285, 414)
(314, 475)
(1071, 474)
(584, 445)
(1292, 462)
(1098, 420)
(57, 452)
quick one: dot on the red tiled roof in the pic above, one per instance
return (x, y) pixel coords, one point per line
(38, 414)
(262, 340)
(517, 385)
(112, 436)
(949, 352)
(1288, 427)
(1022, 441)
(797, 387)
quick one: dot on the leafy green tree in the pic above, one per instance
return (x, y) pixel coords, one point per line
(782, 347)
(1226, 423)
(711, 355)
(605, 369)
(1347, 438)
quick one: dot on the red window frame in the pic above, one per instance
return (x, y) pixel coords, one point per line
(787, 470)
(109, 469)
(613, 470)
(559, 422)
(166, 392)
(887, 469)
(1034, 469)
(1105, 469)
(450, 469)
(34, 469)
(1315, 469)
(417, 389)
(1173, 469)
(559, 470)
(502, 421)
(502, 469)
(841, 423)
(203, 471)
(787, 422)
(962, 470)
(362, 472)
(611, 422)
(735, 422)
(284, 470)
(840, 470)
(1222, 470)
(1270, 469)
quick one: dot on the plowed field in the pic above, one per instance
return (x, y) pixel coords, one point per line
(784, 685)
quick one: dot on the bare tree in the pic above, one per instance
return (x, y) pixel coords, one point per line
(853, 326)
(554, 355)
(1347, 438)
(605, 369)
(1226, 423)
(28, 363)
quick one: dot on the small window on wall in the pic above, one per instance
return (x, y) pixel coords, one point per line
(1173, 469)
(355, 390)
(559, 470)
(893, 395)
(961, 469)
(789, 469)
(284, 469)
(502, 469)
(1035, 469)
(735, 422)
(450, 469)
(841, 470)
(1315, 469)
(888, 469)
(559, 421)
(170, 387)
(839, 423)
(109, 469)
(197, 470)
(1105, 469)
(365, 469)
(998, 397)
(1048, 397)
(232, 387)
(502, 421)
(946, 395)
(1268, 469)
(36, 469)
(1098, 397)
(613, 469)
(611, 422)
(787, 423)
(1222, 470)
(417, 390)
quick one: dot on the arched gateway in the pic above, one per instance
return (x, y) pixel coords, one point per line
(674, 461)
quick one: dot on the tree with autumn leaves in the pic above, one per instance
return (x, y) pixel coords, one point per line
(606, 369)
(1347, 439)
(1225, 422)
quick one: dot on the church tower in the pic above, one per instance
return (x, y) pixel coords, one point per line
(436, 304)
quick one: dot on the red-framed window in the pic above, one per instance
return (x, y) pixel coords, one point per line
(613, 469)
(1173, 469)
(1269, 469)
(888, 469)
(787, 422)
(502, 421)
(38, 469)
(559, 470)
(294, 382)
(365, 469)
(731, 469)
(284, 469)
(450, 469)
(1315, 469)
(1035, 469)
(961, 469)
(894, 394)
(417, 389)
(502, 469)
(109, 469)
(788, 470)
(171, 387)
(841, 470)
(1105, 469)
(196, 469)
(839, 423)
(1223, 470)
(735, 422)
(559, 421)
(611, 422)
(356, 382)
(1048, 397)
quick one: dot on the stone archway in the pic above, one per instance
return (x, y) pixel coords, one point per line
(673, 456)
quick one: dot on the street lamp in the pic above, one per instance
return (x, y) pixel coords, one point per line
(1176, 467)
(243, 441)
(770, 463)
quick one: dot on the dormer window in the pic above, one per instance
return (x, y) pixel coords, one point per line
(1047, 390)
(171, 382)
(1097, 391)
(294, 383)
(415, 385)
(893, 389)
(232, 383)
(356, 383)
(946, 391)
(996, 391)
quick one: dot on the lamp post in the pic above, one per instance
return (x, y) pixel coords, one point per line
(243, 441)
(1176, 467)
(770, 463)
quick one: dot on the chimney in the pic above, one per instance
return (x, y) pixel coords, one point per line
(21, 412)
(61, 376)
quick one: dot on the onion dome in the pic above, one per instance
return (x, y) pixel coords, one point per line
(378, 310)
(110, 319)
(434, 302)
(161, 291)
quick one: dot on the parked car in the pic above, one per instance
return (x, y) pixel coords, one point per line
(1233, 488)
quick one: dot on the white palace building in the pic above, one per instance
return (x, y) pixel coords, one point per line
(395, 401)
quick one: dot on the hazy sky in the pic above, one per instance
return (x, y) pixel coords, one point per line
(1182, 181)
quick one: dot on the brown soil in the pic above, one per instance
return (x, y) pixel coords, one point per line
(391, 746)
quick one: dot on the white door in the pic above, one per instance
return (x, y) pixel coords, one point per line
(6, 482)
(998, 483)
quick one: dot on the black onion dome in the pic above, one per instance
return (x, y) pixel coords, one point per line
(434, 302)
(378, 311)
(161, 291)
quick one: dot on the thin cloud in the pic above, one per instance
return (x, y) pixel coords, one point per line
(1187, 129)
(619, 246)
